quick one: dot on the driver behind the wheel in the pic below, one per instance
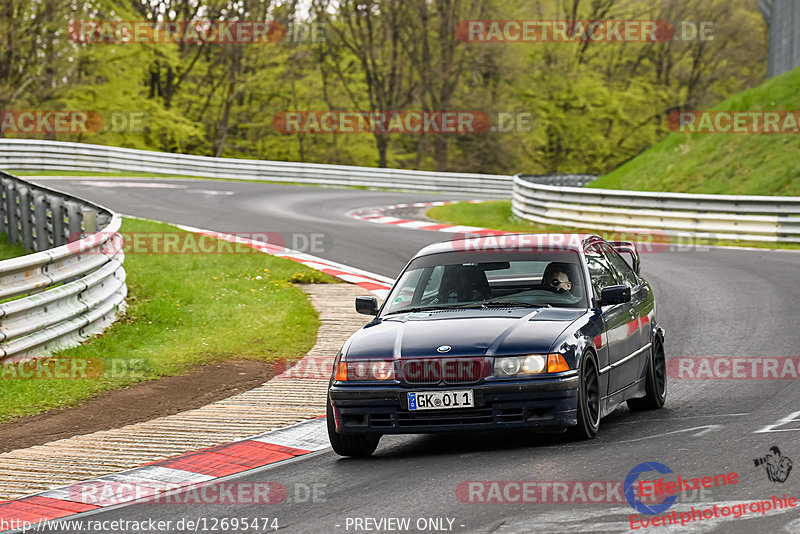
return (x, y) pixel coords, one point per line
(558, 280)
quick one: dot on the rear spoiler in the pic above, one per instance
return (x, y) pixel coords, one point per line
(626, 247)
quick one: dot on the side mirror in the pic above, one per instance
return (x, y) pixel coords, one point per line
(615, 295)
(369, 305)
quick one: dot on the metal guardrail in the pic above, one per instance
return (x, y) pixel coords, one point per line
(38, 154)
(746, 218)
(537, 198)
(69, 290)
(569, 180)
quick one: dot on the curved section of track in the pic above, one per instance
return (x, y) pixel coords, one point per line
(712, 302)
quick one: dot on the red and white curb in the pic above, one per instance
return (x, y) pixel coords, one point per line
(378, 215)
(200, 467)
(166, 476)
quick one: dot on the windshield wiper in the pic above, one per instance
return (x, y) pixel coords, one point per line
(468, 305)
(414, 309)
(505, 303)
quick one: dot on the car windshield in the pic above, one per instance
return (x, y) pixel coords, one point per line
(466, 280)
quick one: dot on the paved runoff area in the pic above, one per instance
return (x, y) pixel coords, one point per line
(291, 397)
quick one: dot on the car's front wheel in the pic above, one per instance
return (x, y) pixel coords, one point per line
(655, 381)
(355, 445)
(588, 399)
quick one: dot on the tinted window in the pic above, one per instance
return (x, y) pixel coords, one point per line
(457, 279)
(600, 270)
(431, 291)
(623, 269)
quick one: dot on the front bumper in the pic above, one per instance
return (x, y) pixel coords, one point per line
(545, 403)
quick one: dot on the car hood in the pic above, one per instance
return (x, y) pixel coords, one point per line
(469, 332)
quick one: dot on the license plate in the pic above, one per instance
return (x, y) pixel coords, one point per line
(439, 400)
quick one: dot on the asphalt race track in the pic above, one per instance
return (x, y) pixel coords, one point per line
(712, 302)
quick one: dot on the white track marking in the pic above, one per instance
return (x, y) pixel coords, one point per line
(791, 418)
(705, 429)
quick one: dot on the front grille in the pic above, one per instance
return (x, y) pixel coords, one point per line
(429, 371)
(421, 371)
(464, 370)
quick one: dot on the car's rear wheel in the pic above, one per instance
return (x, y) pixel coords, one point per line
(655, 381)
(355, 445)
(588, 399)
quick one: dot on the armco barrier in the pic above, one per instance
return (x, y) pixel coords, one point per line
(569, 180)
(746, 218)
(52, 155)
(26, 154)
(536, 198)
(66, 291)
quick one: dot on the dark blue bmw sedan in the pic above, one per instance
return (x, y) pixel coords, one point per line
(549, 331)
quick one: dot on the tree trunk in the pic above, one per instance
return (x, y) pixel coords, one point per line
(222, 132)
(382, 141)
(440, 152)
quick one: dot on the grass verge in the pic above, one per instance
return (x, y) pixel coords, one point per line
(718, 163)
(184, 310)
(497, 215)
(8, 251)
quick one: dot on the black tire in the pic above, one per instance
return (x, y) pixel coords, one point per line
(355, 445)
(655, 382)
(588, 400)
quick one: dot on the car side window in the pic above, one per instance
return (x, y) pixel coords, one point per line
(431, 290)
(600, 270)
(627, 275)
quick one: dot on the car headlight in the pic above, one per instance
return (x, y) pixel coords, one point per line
(365, 370)
(531, 364)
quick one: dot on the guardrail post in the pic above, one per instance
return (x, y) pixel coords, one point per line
(57, 217)
(11, 211)
(74, 229)
(25, 217)
(89, 220)
(42, 238)
(4, 185)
